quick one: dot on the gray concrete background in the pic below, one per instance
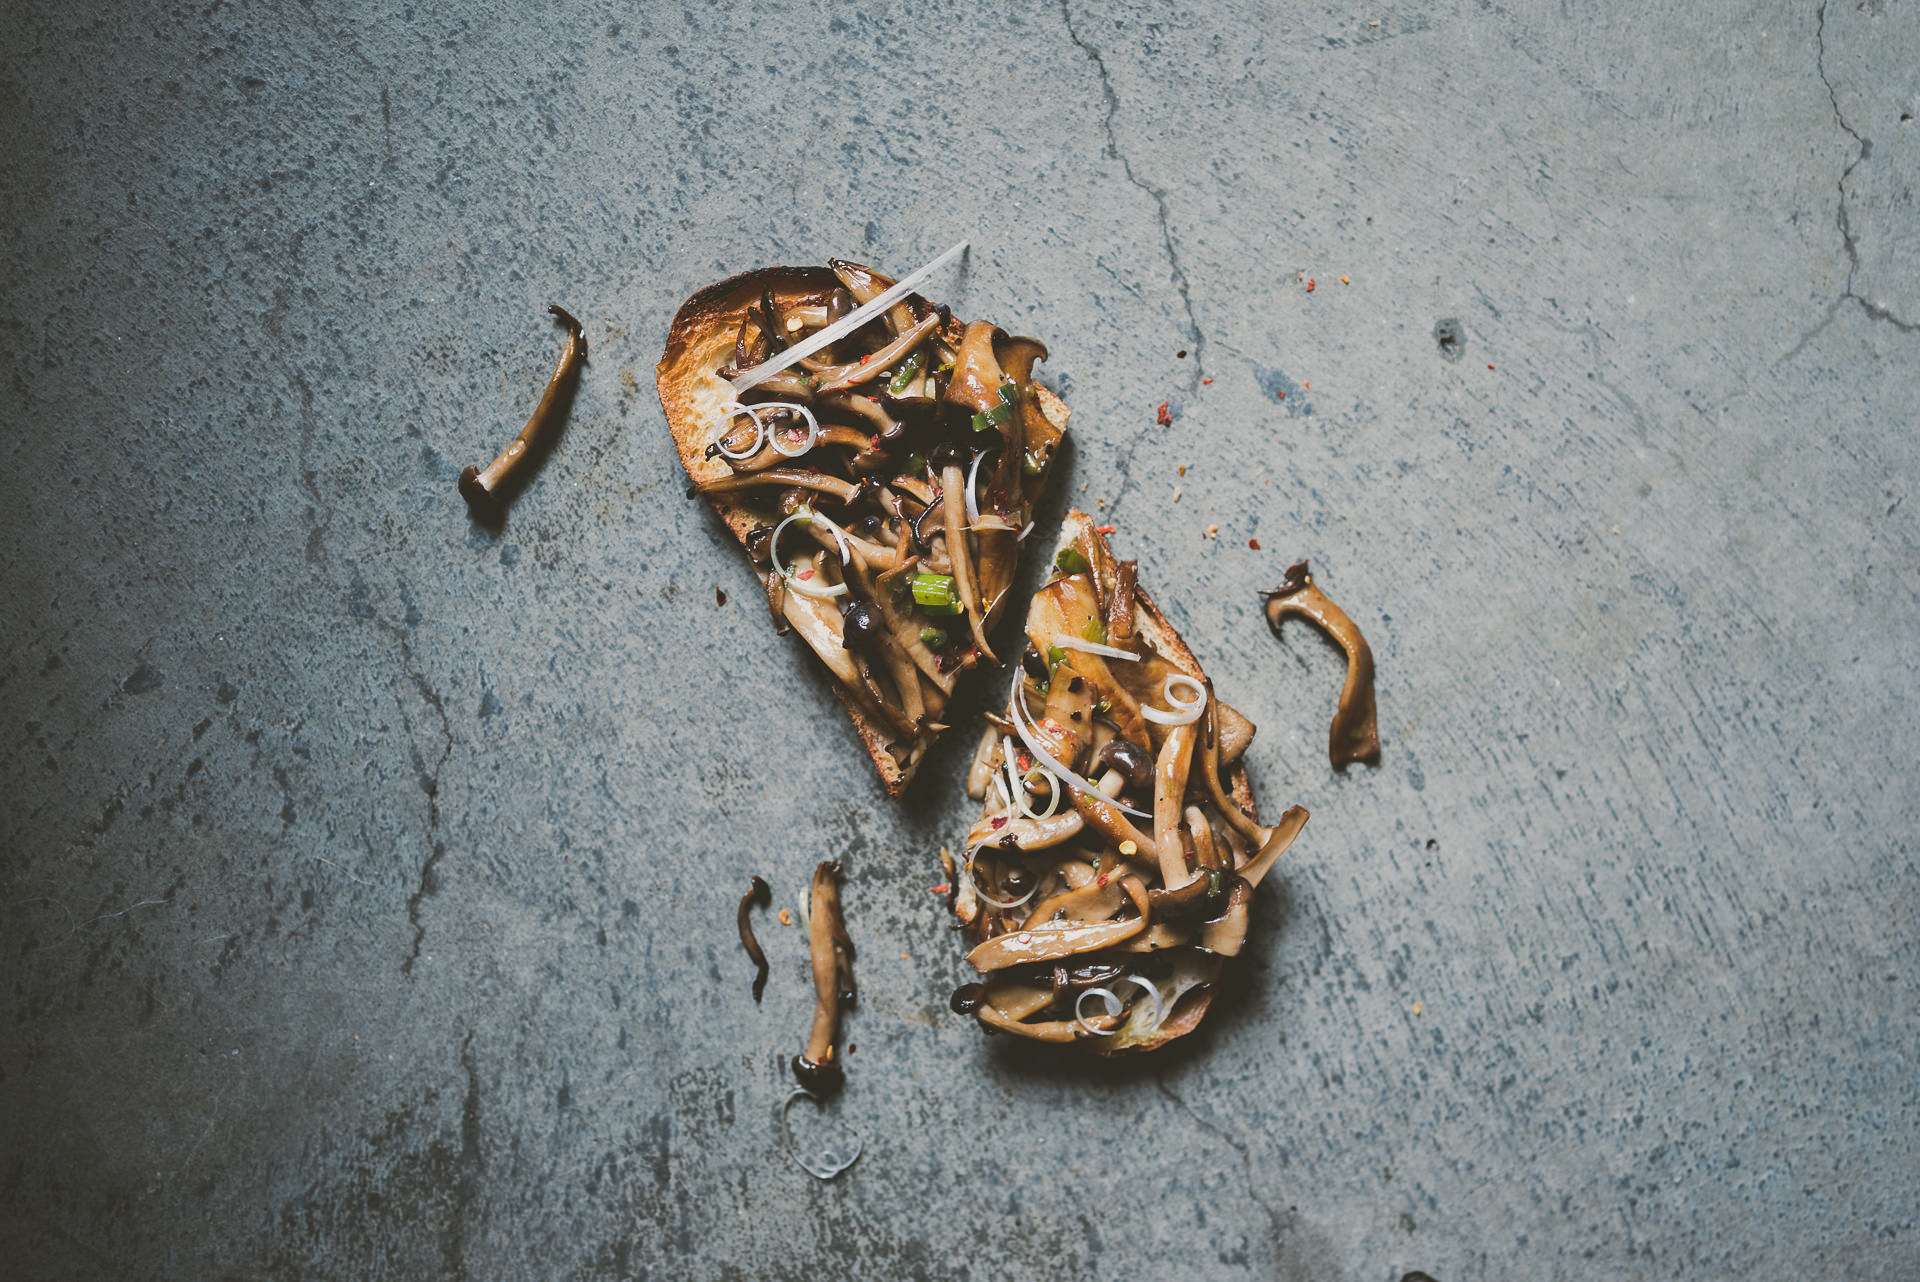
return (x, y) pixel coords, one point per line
(368, 872)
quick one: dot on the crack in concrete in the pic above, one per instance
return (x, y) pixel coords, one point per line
(1274, 1219)
(321, 517)
(1157, 194)
(453, 1245)
(429, 784)
(1843, 218)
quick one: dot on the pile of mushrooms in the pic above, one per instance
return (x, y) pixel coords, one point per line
(886, 479)
(1114, 862)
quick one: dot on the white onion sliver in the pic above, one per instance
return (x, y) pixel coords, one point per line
(803, 586)
(1065, 642)
(1024, 533)
(1019, 718)
(1152, 990)
(1186, 711)
(731, 409)
(1109, 999)
(773, 436)
(973, 475)
(845, 325)
(967, 870)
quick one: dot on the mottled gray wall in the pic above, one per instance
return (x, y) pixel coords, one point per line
(368, 872)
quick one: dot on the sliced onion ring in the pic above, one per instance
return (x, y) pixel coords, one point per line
(794, 581)
(1018, 716)
(733, 409)
(1065, 642)
(773, 436)
(973, 475)
(1111, 1000)
(966, 870)
(1185, 711)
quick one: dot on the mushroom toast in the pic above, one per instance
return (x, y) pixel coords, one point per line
(878, 459)
(1113, 867)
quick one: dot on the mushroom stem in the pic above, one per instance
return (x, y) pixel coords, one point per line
(478, 487)
(757, 893)
(953, 489)
(1169, 788)
(831, 953)
(806, 478)
(1355, 733)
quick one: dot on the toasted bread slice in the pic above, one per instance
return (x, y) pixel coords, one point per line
(869, 460)
(1112, 869)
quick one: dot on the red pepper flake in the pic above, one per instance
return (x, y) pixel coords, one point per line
(941, 889)
(1309, 284)
(1306, 387)
(999, 823)
(806, 574)
(1103, 529)
(1163, 416)
(1343, 280)
(852, 1047)
(719, 596)
(1283, 393)
(1254, 544)
(1489, 367)
(1206, 380)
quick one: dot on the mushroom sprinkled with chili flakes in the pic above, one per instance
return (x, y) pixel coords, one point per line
(1113, 867)
(879, 458)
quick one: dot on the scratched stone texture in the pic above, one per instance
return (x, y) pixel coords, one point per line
(368, 878)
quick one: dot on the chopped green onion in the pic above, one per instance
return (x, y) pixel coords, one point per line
(980, 423)
(1103, 707)
(1095, 631)
(1033, 464)
(940, 608)
(1010, 393)
(1071, 562)
(934, 589)
(1054, 657)
(933, 638)
(916, 464)
(908, 371)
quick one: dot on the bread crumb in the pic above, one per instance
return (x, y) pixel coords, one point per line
(1176, 499)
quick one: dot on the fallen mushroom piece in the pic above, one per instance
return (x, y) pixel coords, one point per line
(757, 893)
(1354, 734)
(818, 1068)
(479, 487)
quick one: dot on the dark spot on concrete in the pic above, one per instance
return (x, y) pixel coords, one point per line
(564, 1096)
(359, 599)
(490, 706)
(306, 901)
(1433, 843)
(145, 677)
(1451, 338)
(202, 726)
(510, 555)
(195, 766)
(53, 661)
(227, 692)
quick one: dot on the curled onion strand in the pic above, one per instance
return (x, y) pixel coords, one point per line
(1019, 718)
(803, 586)
(1185, 711)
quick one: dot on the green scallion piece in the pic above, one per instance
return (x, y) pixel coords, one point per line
(1055, 656)
(948, 608)
(906, 374)
(1095, 631)
(933, 638)
(1071, 562)
(1033, 464)
(1009, 393)
(931, 590)
(916, 464)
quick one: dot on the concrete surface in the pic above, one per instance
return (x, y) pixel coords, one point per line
(368, 872)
